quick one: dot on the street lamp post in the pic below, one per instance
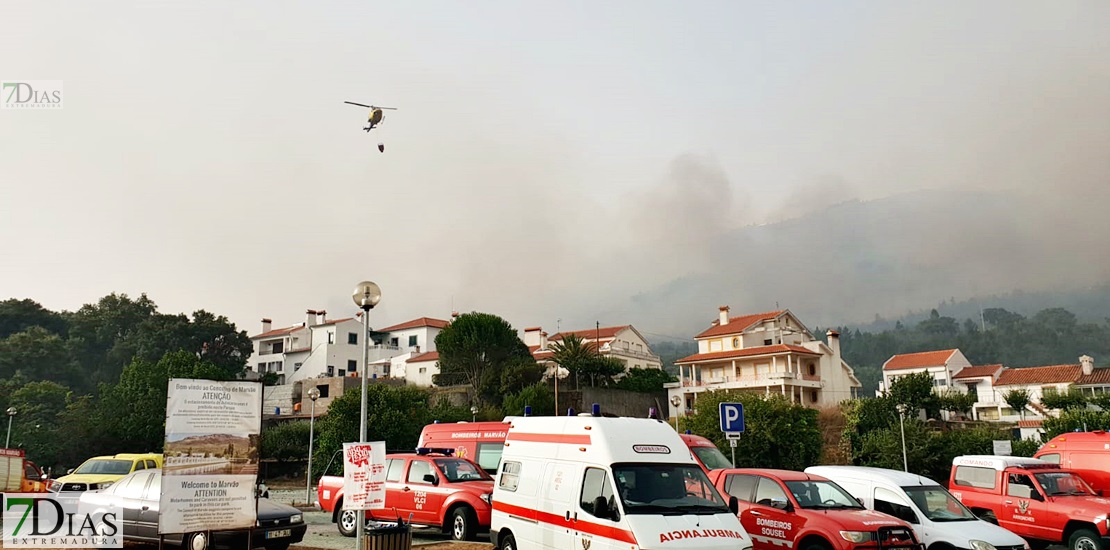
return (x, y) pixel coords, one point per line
(902, 427)
(313, 394)
(676, 401)
(366, 295)
(11, 415)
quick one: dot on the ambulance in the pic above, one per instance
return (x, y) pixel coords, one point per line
(589, 482)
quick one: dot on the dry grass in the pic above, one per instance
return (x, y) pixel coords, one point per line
(833, 448)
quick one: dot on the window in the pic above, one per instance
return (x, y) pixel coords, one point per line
(417, 470)
(812, 369)
(393, 469)
(331, 370)
(489, 454)
(323, 389)
(394, 342)
(385, 370)
(139, 466)
(30, 472)
(296, 367)
(767, 342)
(972, 389)
(277, 347)
(595, 484)
(278, 366)
(1051, 457)
(888, 502)
(1020, 486)
(736, 343)
(151, 464)
(813, 396)
(769, 493)
(975, 476)
(940, 382)
(352, 365)
(352, 338)
(412, 340)
(342, 372)
(741, 486)
(1047, 390)
(331, 337)
(262, 367)
(423, 370)
(510, 476)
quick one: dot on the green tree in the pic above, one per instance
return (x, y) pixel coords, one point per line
(20, 315)
(778, 433)
(40, 355)
(286, 442)
(213, 338)
(1018, 400)
(915, 392)
(474, 350)
(537, 396)
(865, 415)
(645, 380)
(957, 401)
(100, 334)
(134, 411)
(519, 375)
(1071, 420)
(1069, 400)
(37, 428)
(572, 353)
(602, 369)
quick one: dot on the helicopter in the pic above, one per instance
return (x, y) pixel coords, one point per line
(374, 119)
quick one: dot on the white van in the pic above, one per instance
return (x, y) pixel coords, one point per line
(605, 483)
(938, 518)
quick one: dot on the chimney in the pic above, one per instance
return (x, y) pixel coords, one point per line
(309, 317)
(321, 317)
(1088, 364)
(266, 324)
(543, 340)
(724, 315)
(834, 345)
(532, 336)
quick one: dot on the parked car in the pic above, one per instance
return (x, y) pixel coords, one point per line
(940, 521)
(1033, 498)
(783, 508)
(1087, 453)
(100, 472)
(435, 488)
(706, 453)
(138, 495)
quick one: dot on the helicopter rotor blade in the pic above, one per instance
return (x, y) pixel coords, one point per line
(387, 108)
(359, 104)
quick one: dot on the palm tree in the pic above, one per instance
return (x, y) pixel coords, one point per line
(572, 353)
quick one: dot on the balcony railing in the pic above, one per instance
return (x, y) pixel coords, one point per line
(773, 378)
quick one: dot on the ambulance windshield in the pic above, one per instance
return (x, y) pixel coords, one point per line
(667, 489)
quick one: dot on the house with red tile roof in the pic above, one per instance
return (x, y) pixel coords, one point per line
(318, 347)
(417, 360)
(622, 342)
(942, 364)
(771, 352)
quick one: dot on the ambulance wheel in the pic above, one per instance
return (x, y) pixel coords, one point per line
(463, 523)
(506, 542)
(347, 522)
(1084, 539)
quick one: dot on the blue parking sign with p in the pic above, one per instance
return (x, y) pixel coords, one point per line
(732, 417)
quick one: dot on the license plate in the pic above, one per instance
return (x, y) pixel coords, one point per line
(279, 533)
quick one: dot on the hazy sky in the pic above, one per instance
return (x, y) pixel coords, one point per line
(549, 160)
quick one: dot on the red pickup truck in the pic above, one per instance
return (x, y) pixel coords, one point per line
(1033, 498)
(783, 508)
(434, 488)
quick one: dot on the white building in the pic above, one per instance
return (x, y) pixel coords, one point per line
(414, 340)
(316, 348)
(768, 353)
(942, 365)
(622, 342)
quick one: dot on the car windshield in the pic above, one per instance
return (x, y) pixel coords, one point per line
(455, 469)
(821, 495)
(938, 504)
(1063, 483)
(668, 489)
(111, 467)
(711, 457)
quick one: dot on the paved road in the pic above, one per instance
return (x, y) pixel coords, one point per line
(322, 533)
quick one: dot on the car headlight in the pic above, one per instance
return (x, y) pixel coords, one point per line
(855, 536)
(981, 545)
(102, 486)
(487, 498)
(297, 518)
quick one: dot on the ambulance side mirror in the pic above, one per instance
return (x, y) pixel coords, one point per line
(734, 505)
(431, 478)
